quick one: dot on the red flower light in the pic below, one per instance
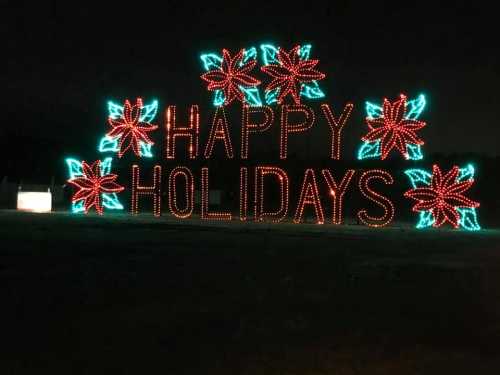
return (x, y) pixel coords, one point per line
(290, 73)
(92, 184)
(443, 196)
(393, 129)
(230, 76)
(130, 129)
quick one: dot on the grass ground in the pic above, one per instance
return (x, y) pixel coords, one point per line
(129, 295)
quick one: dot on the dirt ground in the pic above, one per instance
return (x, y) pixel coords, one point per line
(140, 295)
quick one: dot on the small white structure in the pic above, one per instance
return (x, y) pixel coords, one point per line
(34, 201)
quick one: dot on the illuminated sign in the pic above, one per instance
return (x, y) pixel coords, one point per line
(271, 95)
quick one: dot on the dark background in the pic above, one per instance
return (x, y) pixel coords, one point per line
(63, 61)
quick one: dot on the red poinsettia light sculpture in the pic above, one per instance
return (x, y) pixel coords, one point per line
(231, 76)
(290, 73)
(443, 197)
(393, 129)
(131, 130)
(91, 185)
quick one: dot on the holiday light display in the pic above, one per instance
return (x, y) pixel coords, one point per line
(230, 77)
(309, 196)
(291, 70)
(280, 174)
(130, 125)
(287, 128)
(153, 191)
(108, 200)
(380, 200)
(191, 132)
(92, 181)
(289, 77)
(440, 197)
(189, 192)
(393, 126)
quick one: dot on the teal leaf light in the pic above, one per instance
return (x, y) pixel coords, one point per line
(111, 201)
(269, 54)
(77, 207)
(74, 168)
(311, 90)
(145, 150)
(252, 96)
(106, 166)
(304, 51)
(466, 173)
(219, 98)
(115, 111)
(149, 111)
(249, 54)
(468, 219)
(373, 111)
(108, 144)
(211, 61)
(425, 219)
(415, 107)
(418, 177)
(414, 152)
(369, 150)
(271, 96)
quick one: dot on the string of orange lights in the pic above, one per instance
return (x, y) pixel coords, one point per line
(173, 131)
(153, 190)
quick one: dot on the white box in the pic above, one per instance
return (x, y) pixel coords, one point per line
(34, 201)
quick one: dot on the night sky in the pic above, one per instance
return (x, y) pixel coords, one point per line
(64, 60)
